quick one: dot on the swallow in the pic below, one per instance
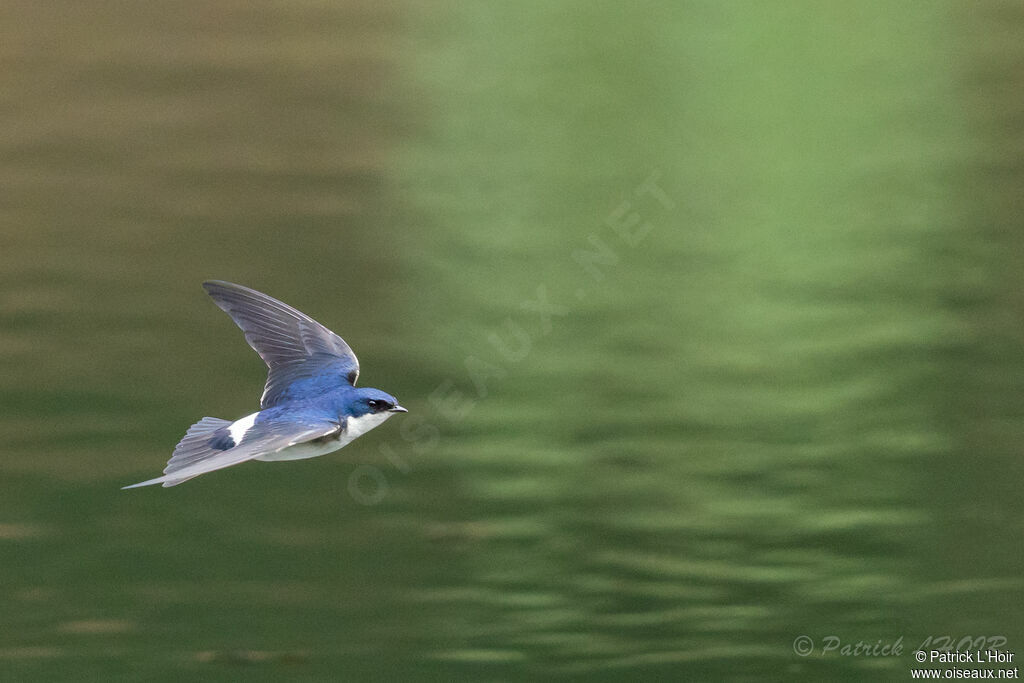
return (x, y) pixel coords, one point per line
(310, 405)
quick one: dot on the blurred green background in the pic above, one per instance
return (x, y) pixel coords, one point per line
(773, 389)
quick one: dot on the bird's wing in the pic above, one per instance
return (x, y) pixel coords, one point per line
(262, 438)
(294, 346)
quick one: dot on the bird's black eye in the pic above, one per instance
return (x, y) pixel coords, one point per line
(373, 403)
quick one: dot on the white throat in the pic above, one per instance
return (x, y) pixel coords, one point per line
(357, 426)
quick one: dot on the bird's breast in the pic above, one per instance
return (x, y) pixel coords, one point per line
(307, 449)
(354, 428)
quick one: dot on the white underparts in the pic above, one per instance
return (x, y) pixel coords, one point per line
(354, 428)
(239, 427)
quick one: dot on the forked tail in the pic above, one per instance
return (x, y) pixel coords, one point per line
(193, 448)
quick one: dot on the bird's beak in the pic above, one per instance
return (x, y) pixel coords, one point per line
(398, 409)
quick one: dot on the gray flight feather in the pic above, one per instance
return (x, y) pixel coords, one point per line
(195, 446)
(264, 438)
(294, 346)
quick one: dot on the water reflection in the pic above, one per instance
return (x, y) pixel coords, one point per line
(786, 408)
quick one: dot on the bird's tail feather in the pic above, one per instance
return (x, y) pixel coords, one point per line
(194, 447)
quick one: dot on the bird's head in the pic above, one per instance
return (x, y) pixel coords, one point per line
(374, 401)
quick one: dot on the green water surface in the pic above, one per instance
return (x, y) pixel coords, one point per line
(708, 316)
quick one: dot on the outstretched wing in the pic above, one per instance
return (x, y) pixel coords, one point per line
(294, 346)
(261, 439)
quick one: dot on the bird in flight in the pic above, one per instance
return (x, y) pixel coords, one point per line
(310, 404)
